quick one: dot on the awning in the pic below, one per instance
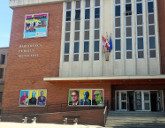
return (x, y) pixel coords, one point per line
(112, 79)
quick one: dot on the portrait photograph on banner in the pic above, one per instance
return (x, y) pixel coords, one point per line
(33, 94)
(36, 25)
(98, 97)
(42, 96)
(74, 97)
(24, 97)
(85, 97)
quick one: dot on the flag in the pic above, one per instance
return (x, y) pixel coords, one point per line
(110, 43)
(105, 43)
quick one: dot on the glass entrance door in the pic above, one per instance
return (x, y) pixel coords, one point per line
(146, 104)
(141, 100)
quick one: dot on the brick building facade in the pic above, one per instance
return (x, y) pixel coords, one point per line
(71, 57)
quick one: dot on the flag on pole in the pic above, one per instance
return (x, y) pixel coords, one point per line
(110, 43)
(105, 43)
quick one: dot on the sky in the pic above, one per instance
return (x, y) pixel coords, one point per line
(5, 23)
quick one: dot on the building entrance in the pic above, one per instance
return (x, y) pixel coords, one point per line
(139, 100)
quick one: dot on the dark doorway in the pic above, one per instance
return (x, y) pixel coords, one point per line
(130, 101)
(154, 101)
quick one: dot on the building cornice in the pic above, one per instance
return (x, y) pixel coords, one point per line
(21, 3)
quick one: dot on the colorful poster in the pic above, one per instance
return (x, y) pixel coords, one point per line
(85, 97)
(42, 94)
(24, 97)
(97, 97)
(33, 94)
(74, 97)
(33, 97)
(36, 25)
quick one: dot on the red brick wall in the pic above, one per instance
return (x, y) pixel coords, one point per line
(28, 72)
(161, 17)
(86, 117)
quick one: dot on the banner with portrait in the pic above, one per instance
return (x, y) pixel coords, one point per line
(33, 97)
(86, 97)
(36, 25)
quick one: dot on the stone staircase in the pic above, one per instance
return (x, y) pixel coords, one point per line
(125, 119)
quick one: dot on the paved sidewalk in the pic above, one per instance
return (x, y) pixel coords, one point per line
(43, 125)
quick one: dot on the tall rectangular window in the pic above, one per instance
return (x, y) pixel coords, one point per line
(139, 30)
(1, 73)
(86, 30)
(0, 97)
(128, 28)
(3, 57)
(117, 30)
(97, 30)
(77, 30)
(151, 29)
(67, 31)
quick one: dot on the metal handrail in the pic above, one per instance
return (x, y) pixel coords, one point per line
(50, 108)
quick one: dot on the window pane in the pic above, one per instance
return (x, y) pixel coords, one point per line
(87, 4)
(77, 14)
(118, 55)
(97, 12)
(87, 13)
(68, 16)
(97, 23)
(139, 8)
(128, 21)
(117, 32)
(66, 51)
(76, 47)
(150, 7)
(152, 43)
(86, 56)
(76, 57)
(96, 46)
(128, 8)
(68, 6)
(77, 25)
(117, 1)
(86, 46)
(67, 28)
(151, 18)
(117, 10)
(129, 55)
(140, 54)
(152, 30)
(117, 45)
(96, 56)
(97, 33)
(140, 31)
(140, 43)
(129, 44)
(78, 4)
(152, 54)
(66, 58)
(117, 22)
(129, 32)
(76, 36)
(87, 24)
(1, 72)
(86, 35)
(2, 59)
(139, 20)
(97, 2)
(67, 36)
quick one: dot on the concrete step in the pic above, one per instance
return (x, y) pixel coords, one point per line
(118, 119)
